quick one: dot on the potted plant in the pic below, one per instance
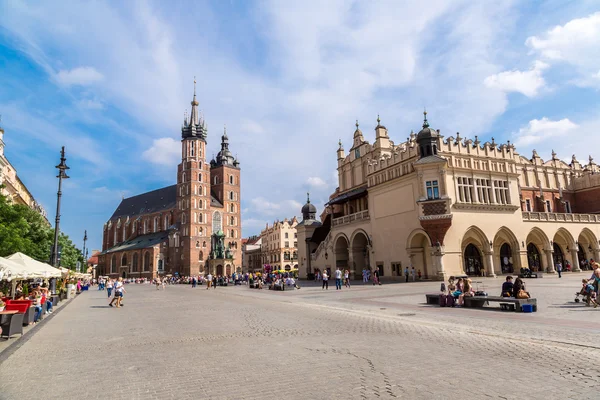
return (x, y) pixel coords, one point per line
(25, 290)
(2, 305)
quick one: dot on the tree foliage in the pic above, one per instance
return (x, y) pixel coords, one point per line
(25, 230)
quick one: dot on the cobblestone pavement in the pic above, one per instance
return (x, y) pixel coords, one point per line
(363, 343)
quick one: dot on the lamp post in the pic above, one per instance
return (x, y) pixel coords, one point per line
(83, 252)
(62, 167)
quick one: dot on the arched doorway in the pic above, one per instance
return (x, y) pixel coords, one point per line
(341, 252)
(558, 256)
(228, 269)
(581, 254)
(587, 248)
(124, 274)
(534, 261)
(360, 254)
(506, 259)
(474, 244)
(419, 253)
(473, 263)
(220, 270)
(506, 256)
(537, 243)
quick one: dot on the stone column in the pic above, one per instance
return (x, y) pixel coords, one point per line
(351, 265)
(575, 260)
(549, 262)
(489, 261)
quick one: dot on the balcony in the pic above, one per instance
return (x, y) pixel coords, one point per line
(560, 217)
(348, 219)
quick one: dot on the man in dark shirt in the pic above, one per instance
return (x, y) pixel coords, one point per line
(507, 287)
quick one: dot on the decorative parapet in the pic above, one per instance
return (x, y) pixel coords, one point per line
(560, 217)
(348, 219)
(486, 207)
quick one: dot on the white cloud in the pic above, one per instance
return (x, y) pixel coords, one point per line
(316, 182)
(539, 130)
(576, 43)
(90, 104)
(278, 209)
(527, 83)
(164, 151)
(79, 76)
(249, 126)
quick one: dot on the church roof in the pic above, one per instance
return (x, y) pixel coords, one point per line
(140, 242)
(149, 202)
(214, 202)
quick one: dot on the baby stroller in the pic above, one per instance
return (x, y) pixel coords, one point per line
(588, 293)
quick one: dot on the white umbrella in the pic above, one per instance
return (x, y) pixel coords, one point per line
(10, 270)
(34, 267)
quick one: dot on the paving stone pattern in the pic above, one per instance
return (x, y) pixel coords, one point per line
(363, 343)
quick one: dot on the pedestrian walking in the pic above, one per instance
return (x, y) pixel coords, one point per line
(406, 273)
(338, 279)
(347, 278)
(209, 279)
(412, 274)
(559, 269)
(325, 280)
(376, 277)
(109, 287)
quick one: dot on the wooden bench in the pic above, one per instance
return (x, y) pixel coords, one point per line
(479, 301)
(433, 298)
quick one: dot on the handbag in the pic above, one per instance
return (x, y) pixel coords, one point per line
(522, 294)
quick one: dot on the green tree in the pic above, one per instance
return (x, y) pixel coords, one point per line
(25, 230)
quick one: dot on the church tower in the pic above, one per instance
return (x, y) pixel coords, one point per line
(192, 241)
(226, 188)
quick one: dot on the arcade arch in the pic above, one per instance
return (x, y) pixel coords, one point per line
(340, 250)
(564, 249)
(419, 252)
(476, 259)
(537, 246)
(360, 252)
(506, 252)
(587, 246)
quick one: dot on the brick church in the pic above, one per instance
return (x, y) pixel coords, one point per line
(189, 228)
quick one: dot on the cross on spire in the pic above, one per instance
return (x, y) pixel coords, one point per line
(307, 197)
(425, 123)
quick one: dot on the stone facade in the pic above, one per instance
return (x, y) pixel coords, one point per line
(279, 245)
(251, 254)
(452, 206)
(12, 186)
(185, 229)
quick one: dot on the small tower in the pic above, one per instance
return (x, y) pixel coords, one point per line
(226, 188)
(340, 153)
(427, 139)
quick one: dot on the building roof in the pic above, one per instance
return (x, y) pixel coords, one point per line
(352, 194)
(149, 202)
(431, 160)
(140, 242)
(94, 258)
(214, 202)
(322, 231)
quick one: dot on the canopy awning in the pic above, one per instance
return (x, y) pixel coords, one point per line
(10, 270)
(34, 267)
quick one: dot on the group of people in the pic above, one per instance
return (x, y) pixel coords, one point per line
(339, 275)
(457, 291)
(39, 295)
(114, 288)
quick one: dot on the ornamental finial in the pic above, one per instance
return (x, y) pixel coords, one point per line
(307, 197)
(425, 123)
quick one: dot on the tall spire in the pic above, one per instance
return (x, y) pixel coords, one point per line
(307, 197)
(194, 103)
(425, 123)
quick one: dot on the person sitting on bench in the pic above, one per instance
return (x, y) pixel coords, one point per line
(519, 291)
(507, 287)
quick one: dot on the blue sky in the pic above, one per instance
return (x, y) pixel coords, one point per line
(111, 82)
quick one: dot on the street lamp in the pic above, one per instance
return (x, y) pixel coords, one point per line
(62, 167)
(83, 252)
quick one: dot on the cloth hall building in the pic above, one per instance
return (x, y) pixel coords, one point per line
(189, 228)
(451, 206)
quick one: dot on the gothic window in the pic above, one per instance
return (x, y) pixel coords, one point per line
(134, 263)
(183, 218)
(197, 244)
(232, 221)
(200, 230)
(231, 179)
(155, 224)
(166, 222)
(124, 232)
(201, 256)
(147, 261)
(182, 177)
(145, 226)
(356, 153)
(216, 180)
(203, 244)
(217, 226)
(200, 218)
(134, 230)
(232, 208)
(192, 148)
(200, 204)
(124, 260)
(232, 233)
(200, 177)
(115, 236)
(113, 264)
(231, 195)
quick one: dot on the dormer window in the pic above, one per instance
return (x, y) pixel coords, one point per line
(356, 153)
(433, 191)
